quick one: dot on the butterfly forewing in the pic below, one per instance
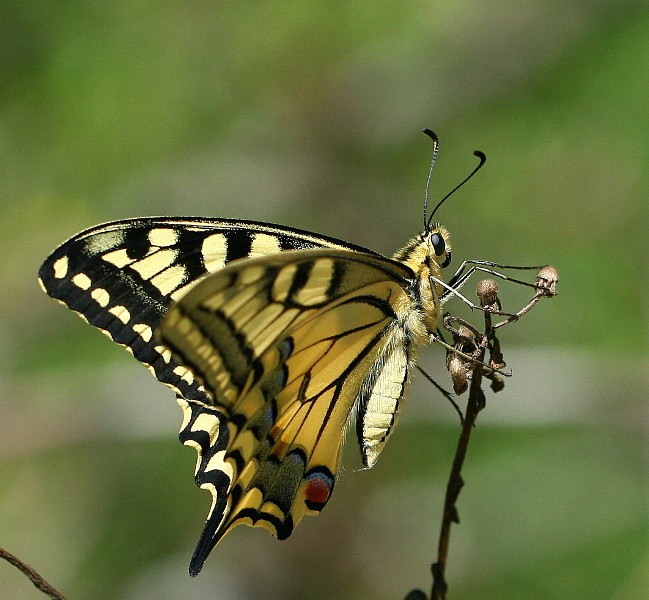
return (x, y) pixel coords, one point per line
(283, 345)
(122, 276)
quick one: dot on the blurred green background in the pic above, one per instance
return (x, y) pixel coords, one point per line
(309, 114)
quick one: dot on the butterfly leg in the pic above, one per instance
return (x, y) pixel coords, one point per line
(453, 291)
(468, 267)
(444, 393)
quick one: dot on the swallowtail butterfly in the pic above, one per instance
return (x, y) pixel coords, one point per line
(273, 339)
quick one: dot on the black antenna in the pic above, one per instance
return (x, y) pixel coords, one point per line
(481, 156)
(433, 136)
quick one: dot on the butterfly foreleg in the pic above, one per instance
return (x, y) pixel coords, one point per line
(468, 267)
(452, 288)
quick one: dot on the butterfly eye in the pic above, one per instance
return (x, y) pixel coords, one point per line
(439, 245)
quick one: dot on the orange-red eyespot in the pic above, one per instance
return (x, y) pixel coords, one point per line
(318, 489)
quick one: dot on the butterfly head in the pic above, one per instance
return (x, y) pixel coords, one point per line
(438, 243)
(428, 253)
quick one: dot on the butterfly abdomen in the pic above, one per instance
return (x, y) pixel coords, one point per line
(416, 316)
(382, 395)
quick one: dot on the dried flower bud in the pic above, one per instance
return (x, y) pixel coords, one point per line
(465, 339)
(497, 383)
(546, 279)
(457, 367)
(487, 290)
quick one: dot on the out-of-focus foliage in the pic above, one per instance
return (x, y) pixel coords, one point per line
(309, 114)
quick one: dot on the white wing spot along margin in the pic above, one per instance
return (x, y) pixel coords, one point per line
(60, 267)
(264, 244)
(144, 331)
(100, 296)
(82, 281)
(214, 250)
(121, 312)
(162, 236)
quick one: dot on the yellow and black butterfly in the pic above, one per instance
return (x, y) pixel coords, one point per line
(273, 339)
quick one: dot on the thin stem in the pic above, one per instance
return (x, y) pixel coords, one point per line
(33, 576)
(475, 404)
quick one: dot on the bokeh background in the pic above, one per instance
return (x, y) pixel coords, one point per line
(309, 114)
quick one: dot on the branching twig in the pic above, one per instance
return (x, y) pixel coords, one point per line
(33, 576)
(466, 360)
(475, 404)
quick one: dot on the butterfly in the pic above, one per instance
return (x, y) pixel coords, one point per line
(273, 339)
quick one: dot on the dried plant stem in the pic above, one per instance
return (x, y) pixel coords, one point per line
(475, 404)
(33, 576)
(465, 360)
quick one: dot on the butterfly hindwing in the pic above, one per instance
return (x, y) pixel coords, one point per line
(285, 346)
